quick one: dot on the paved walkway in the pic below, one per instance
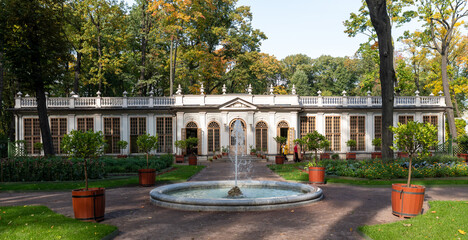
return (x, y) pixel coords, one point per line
(335, 217)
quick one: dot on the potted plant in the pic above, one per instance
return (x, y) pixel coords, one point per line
(413, 138)
(146, 143)
(315, 142)
(122, 146)
(214, 155)
(264, 152)
(88, 203)
(225, 150)
(192, 144)
(253, 151)
(463, 144)
(352, 145)
(182, 145)
(377, 143)
(279, 159)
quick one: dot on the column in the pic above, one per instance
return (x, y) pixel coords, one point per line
(250, 131)
(224, 130)
(98, 122)
(441, 127)
(344, 131)
(204, 135)
(19, 128)
(418, 117)
(295, 123)
(320, 123)
(370, 130)
(71, 121)
(151, 126)
(272, 146)
(125, 132)
(179, 126)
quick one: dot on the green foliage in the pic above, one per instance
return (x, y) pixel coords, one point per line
(377, 142)
(181, 144)
(147, 143)
(122, 144)
(414, 137)
(192, 143)
(225, 149)
(463, 142)
(351, 143)
(315, 142)
(335, 156)
(39, 222)
(132, 164)
(83, 145)
(281, 140)
(443, 221)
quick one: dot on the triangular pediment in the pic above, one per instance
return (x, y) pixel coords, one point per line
(237, 104)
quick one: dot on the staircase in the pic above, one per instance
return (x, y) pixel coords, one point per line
(252, 158)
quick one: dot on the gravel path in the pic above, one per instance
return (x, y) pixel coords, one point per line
(335, 217)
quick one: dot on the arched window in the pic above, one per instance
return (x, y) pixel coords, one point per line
(261, 137)
(213, 137)
(283, 131)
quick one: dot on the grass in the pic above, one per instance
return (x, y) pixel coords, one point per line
(181, 173)
(444, 220)
(292, 172)
(39, 222)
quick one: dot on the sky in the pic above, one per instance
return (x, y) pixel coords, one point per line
(311, 27)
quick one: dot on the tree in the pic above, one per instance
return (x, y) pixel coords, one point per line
(147, 143)
(316, 141)
(300, 80)
(414, 137)
(381, 22)
(83, 145)
(442, 19)
(37, 50)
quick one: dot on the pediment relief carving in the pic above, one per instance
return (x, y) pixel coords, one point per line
(238, 104)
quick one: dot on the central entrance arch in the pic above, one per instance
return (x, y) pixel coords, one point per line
(232, 139)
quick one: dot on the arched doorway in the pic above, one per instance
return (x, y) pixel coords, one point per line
(192, 130)
(232, 139)
(261, 137)
(283, 131)
(213, 137)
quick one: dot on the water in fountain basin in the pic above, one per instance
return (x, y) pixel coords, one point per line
(248, 192)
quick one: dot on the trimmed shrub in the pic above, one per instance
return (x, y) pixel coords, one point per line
(132, 164)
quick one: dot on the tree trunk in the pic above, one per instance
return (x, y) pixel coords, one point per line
(171, 59)
(143, 42)
(99, 57)
(44, 119)
(1, 78)
(381, 23)
(408, 184)
(448, 99)
(86, 173)
(76, 83)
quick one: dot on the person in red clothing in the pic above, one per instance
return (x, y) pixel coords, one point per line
(296, 153)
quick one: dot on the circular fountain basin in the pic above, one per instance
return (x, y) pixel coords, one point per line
(212, 195)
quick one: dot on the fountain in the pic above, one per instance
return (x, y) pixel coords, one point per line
(235, 195)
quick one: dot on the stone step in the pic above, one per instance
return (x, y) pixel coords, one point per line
(241, 158)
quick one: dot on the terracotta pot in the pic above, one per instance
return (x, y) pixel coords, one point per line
(316, 175)
(179, 158)
(214, 157)
(403, 155)
(220, 155)
(146, 177)
(463, 155)
(350, 156)
(225, 153)
(90, 205)
(263, 156)
(324, 156)
(279, 159)
(192, 160)
(376, 155)
(121, 156)
(252, 153)
(407, 201)
(259, 155)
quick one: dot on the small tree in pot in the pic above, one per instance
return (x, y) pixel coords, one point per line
(182, 145)
(88, 203)
(279, 159)
(377, 143)
(352, 145)
(315, 142)
(413, 137)
(192, 144)
(146, 143)
(122, 146)
(463, 144)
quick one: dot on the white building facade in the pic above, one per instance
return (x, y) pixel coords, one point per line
(210, 118)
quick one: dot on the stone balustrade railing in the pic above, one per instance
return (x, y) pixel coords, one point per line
(203, 100)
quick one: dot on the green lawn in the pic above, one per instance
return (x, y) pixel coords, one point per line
(181, 173)
(292, 172)
(444, 220)
(39, 222)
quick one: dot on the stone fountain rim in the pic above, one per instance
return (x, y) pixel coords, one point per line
(159, 197)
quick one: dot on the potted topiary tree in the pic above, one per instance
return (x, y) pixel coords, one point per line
(376, 142)
(122, 144)
(413, 137)
(146, 143)
(463, 144)
(192, 144)
(352, 145)
(88, 203)
(253, 151)
(315, 142)
(279, 159)
(182, 145)
(225, 150)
